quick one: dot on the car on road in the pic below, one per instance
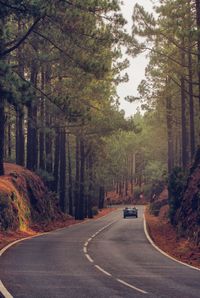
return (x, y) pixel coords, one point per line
(130, 211)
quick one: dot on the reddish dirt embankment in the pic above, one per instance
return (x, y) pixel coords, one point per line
(165, 236)
(25, 201)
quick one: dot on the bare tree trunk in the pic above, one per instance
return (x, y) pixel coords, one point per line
(9, 141)
(191, 107)
(82, 180)
(101, 197)
(20, 142)
(185, 155)
(42, 126)
(56, 161)
(63, 171)
(77, 179)
(32, 141)
(90, 164)
(70, 189)
(2, 130)
(169, 119)
(49, 145)
(198, 46)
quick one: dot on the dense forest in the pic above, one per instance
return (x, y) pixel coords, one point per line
(60, 65)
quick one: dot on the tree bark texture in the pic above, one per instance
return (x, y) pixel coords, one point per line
(63, 171)
(70, 187)
(32, 140)
(2, 130)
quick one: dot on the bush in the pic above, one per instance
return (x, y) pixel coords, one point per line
(95, 210)
(176, 186)
(9, 218)
(155, 207)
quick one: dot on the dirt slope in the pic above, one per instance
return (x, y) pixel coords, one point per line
(24, 200)
(188, 215)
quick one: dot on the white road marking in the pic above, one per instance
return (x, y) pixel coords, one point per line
(85, 249)
(86, 244)
(89, 258)
(102, 270)
(17, 241)
(4, 291)
(131, 286)
(161, 251)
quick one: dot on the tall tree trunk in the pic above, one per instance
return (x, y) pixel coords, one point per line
(77, 179)
(90, 164)
(2, 130)
(32, 141)
(191, 107)
(198, 47)
(101, 197)
(56, 161)
(49, 145)
(82, 180)
(20, 142)
(63, 170)
(184, 125)
(169, 119)
(42, 126)
(70, 188)
(9, 141)
(185, 155)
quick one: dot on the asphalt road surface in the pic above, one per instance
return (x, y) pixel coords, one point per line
(108, 257)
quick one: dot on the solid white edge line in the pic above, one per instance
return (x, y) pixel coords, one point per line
(102, 270)
(4, 291)
(161, 251)
(89, 258)
(3, 250)
(130, 286)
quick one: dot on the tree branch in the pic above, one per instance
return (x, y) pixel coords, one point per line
(7, 51)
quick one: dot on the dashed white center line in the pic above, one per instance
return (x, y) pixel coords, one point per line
(101, 269)
(130, 286)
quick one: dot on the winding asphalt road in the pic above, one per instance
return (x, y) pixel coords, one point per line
(108, 257)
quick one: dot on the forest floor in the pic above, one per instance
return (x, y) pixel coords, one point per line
(11, 236)
(165, 237)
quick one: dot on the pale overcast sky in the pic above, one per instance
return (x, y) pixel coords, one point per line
(136, 71)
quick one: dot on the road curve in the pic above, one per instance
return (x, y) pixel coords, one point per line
(108, 257)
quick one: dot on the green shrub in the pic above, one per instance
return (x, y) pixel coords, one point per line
(155, 207)
(176, 186)
(157, 187)
(9, 218)
(95, 210)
